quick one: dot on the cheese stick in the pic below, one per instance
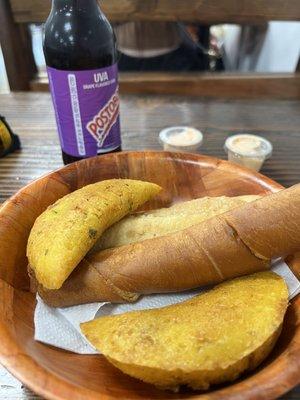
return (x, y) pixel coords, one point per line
(239, 242)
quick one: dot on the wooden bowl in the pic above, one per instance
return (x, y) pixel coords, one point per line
(58, 374)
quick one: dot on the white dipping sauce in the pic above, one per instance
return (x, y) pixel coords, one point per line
(248, 150)
(181, 138)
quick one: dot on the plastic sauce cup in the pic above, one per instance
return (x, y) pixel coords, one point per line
(248, 150)
(181, 138)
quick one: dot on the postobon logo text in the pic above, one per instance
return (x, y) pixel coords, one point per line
(101, 124)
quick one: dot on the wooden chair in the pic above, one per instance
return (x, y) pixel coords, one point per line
(15, 15)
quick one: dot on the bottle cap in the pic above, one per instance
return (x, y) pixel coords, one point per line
(181, 138)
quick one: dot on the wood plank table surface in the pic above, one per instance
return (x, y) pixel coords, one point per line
(142, 117)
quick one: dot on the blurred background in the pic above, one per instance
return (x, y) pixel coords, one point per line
(266, 47)
(153, 38)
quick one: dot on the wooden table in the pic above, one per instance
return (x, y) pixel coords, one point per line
(31, 117)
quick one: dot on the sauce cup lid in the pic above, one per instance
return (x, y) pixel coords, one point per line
(247, 145)
(181, 136)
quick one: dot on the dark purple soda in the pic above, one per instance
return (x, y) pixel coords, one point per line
(81, 57)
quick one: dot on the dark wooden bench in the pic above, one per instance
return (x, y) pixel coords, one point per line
(15, 15)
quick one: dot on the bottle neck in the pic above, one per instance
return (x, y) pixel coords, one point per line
(75, 5)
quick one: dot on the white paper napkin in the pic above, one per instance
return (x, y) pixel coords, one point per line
(60, 326)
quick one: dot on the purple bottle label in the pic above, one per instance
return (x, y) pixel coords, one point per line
(86, 106)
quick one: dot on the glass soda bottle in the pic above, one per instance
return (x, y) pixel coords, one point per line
(81, 57)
